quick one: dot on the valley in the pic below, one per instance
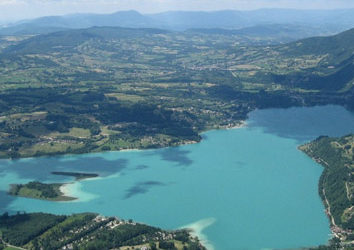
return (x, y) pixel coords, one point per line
(107, 88)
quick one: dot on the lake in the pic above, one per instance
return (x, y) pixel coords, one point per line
(245, 188)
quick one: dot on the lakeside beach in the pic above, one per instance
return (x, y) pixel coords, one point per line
(197, 228)
(74, 189)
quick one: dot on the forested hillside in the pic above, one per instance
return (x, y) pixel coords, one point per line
(336, 186)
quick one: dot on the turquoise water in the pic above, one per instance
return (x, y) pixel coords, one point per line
(247, 188)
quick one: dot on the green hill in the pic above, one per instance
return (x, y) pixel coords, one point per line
(338, 46)
(334, 70)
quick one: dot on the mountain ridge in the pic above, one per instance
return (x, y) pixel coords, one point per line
(322, 21)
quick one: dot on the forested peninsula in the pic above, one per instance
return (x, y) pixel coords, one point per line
(336, 185)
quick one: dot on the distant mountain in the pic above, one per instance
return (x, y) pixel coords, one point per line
(320, 22)
(48, 24)
(339, 47)
(122, 18)
(239, 19)
(69, 39)
(279, 32)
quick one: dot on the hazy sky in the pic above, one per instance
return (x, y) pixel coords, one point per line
(22, 9)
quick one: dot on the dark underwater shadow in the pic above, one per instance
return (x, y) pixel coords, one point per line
(175, 155)
(142, 188)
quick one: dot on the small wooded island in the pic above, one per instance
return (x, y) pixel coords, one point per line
(88, 231)
(78, 176)
(47, 191)
(38, 190)
(336, 185)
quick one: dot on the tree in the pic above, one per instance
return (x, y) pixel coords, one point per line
(152, 246)
(167, 245)
(5, 215)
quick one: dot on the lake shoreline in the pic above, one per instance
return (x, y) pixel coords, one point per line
(66, 191)
(236, 125)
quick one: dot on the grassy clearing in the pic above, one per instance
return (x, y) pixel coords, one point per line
(45, 148)
(125, 97)
(79, 133)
